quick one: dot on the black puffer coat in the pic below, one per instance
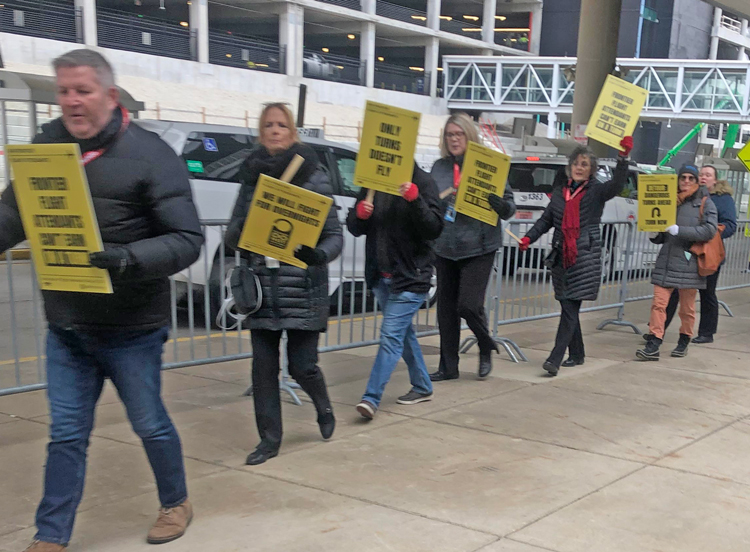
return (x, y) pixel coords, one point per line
(142, 199)
(467, 237)
(581, 281)
(293, 298)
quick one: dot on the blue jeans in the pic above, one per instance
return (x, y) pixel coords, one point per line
(77, 363)
(397, 338)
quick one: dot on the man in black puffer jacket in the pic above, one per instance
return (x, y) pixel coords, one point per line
(398, 268)
(150, 228)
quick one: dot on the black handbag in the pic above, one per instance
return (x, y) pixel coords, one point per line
(553, 258)
(246, 290)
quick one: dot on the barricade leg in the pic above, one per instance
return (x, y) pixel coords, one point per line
(726, 308)
(627, 265)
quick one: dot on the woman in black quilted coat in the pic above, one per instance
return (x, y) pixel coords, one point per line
(294, 299)
(575, 212)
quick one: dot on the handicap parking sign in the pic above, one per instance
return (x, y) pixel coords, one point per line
(209, 144)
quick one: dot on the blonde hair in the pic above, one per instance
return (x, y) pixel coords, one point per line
(465, 123)
(288, 115)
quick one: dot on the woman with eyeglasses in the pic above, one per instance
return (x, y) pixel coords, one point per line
(294, 299)
(465, 255)
(575, 212)
(676, 267)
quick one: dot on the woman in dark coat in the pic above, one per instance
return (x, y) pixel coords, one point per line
(575, 212)
(294, 299)
(465, 255)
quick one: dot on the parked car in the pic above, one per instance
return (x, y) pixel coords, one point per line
(317, 67)
(213, 155)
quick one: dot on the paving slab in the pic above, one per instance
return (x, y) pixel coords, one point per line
(474, 479)
(653, 510)
(648, 382)
(618, 427)
(237, 511)
(713, 361)
(508, 545)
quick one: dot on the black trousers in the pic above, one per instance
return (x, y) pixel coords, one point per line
(569, 335)
(709, 307)
(460, 294)
(302, 352)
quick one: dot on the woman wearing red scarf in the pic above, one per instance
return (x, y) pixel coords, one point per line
(575, 212)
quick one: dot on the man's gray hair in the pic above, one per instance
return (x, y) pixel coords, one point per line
(83, 57)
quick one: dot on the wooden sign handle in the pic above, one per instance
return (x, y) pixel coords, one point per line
(512, 235)
(370, 196)
(446, 193)
(292, 168)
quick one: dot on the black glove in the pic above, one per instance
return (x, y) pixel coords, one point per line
(498, 204)
(117, 260)
(311, 256)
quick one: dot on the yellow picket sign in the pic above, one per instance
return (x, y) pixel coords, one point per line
(283, 216)
(657, 202)
(747, 230)
(386, 151)
(485, 171)
(744, 156)
(616, 112)
(58, 216)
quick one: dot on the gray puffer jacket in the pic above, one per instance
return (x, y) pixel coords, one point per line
(676, 267)
(467, 237)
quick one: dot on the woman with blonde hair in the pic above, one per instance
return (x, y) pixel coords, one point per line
(465, 254)
(294, 299)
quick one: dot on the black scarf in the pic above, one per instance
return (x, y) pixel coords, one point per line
(56, 133)
(261, 161)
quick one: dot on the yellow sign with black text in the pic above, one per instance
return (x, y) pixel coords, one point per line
(58, 216)
(616, 112)
(744, 156)
(485, 171)
(386, 150)
(657, 202)
(283, 216)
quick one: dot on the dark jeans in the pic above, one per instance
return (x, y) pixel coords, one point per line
(709, 307)
(77, 363)
(569, 334)
(460, 294)
(302, 354)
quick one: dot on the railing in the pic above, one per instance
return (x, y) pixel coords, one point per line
(333, 68)
(400, 13)
(457, 27)
(731, 23)
(40, 18)
(401, 79)
(351, 4)
(246, 52)
(147, 35)
(677, 89)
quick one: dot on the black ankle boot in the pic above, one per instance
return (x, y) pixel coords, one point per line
(572, 362)
(682, 346)
(326, 423)
(316, 389)
(260, 455)
(485, 364)
(650, 351)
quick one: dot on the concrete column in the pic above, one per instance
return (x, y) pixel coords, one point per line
(367, 52)
(433, 14)
(199, 26)
(88, 21)
(431, 63)
(714, 51)
(551, 124)
(292, 34)
(368, 6)
(535, 39)
(742, 54)
(597, 53)
(488, 21)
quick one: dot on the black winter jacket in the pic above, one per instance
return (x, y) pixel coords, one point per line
(293, 298)
(409, 229)
(467, 237)
(581, 281)
(142, 199)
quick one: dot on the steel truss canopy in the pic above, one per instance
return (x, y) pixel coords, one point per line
(687, 90)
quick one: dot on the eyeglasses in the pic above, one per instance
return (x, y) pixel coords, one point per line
(452, 135)
(688, 177)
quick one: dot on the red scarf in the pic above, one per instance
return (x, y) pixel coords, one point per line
(571, 224)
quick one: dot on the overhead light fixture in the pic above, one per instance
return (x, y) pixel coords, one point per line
(381, 58)
(501, 17)
(471, 29)
(261, 65)
(340, 67)
(419, 17)
(471, 17)
(189, 3)
(446, 17)
(161, 5)
(439, 68)
(669, 123)
(326, 50)
(184, 24)
(513, 29)
(351, 36)
(229, 55)
(417, 68)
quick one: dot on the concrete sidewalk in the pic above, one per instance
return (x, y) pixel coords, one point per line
(614, 455)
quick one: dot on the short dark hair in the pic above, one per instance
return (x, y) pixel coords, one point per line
(583, 150)
(716, 173)
(83, 57)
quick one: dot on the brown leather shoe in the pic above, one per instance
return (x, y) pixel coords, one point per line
(41, 546)
(171, 523)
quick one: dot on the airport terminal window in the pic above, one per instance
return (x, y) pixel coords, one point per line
(346, 167)
(533, 178)
(215, 155)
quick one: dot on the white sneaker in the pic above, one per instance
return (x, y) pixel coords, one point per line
(367, 410)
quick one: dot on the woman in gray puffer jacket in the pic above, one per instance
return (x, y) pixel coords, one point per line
(465, 255)
(676, 267)
(294, 299)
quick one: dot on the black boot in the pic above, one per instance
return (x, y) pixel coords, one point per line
(572, 362)
(682, 346)
(315, 387)
(260, 455)
(485, 365)
(552, 369)
(650, 351)
(442, 376)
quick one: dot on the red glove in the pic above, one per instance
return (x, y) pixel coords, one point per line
(364, 210)
(524, 244)
(626, 144)
(409, 191)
